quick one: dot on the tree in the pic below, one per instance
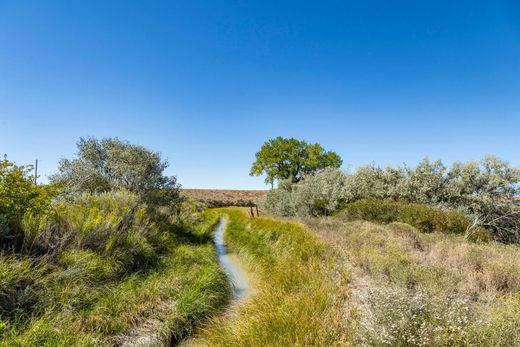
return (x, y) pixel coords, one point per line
(18, 195)
(282, 159)
(111, 164)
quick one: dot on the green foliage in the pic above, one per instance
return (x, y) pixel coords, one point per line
(424, 218)
(112, 164)
(314, 195)
(296, 300)
(18, 193)
(96, 270)
(378, 211)
(429, 219)
(282, 159)
(483, 191)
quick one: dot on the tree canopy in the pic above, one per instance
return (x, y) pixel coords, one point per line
(108, 164)
(289, 158)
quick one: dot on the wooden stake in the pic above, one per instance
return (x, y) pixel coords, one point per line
(36, 173)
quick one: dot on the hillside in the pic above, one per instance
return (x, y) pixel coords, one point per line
(224, 197)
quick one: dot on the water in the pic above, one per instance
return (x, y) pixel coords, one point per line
(235, 272)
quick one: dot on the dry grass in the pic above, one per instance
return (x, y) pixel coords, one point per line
(412, 288)
(223, 197)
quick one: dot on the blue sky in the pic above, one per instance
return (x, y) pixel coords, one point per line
(207, 82)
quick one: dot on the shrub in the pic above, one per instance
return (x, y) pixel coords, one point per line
(405, 319)
(428, 219)
(479, 235)
(18, 195)
(280, 202)
(422, 217)
(378, 211)
(112, 164)
(316, 195)
(111, 224)
(483, 191)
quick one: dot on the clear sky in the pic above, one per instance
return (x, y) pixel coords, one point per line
(207, 82)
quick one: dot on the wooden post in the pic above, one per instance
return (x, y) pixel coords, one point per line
(257, 214)
(36, 173)
(252, 213)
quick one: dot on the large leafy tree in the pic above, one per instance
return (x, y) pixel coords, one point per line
(289, 158)
(111, 164)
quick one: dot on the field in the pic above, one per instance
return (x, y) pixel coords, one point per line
(415, 289)
(333, 261)
(223, 197)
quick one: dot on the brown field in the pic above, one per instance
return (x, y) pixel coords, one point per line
(224, 197)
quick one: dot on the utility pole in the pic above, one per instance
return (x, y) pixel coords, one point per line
(36, 173)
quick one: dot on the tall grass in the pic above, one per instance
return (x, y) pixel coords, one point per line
(416, 289)
(296, 301)
(99, 272)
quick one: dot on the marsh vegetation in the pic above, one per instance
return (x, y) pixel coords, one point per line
(111, 253)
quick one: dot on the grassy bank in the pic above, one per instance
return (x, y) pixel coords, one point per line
(296, 299)
(108, 285)
(415, 289)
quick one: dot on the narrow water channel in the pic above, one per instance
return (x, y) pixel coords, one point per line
(236, 274)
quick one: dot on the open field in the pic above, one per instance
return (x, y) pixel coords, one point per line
(224, 197)
(415, 289)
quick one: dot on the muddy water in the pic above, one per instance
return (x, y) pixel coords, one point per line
(236, 274)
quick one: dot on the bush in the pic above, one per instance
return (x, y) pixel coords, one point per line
(18, 195)
(378, 211)
(317, 195)
(422, 217)
(110, 165)
(483, 191)
(414, 319)
(428, 219)
(111, 224)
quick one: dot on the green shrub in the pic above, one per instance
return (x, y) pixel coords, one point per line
(314, 195)
(109, 223)
(378, 211)
(424, 218)
(18, 195)
(428, 219)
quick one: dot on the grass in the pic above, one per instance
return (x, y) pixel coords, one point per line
(95, 294)
(296, 300)
(415, 289)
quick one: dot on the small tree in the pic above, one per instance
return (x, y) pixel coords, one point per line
(18, 195)
(110, 164)
(282, 159)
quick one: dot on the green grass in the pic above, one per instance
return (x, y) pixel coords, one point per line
(85, 297)
(295, 301)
